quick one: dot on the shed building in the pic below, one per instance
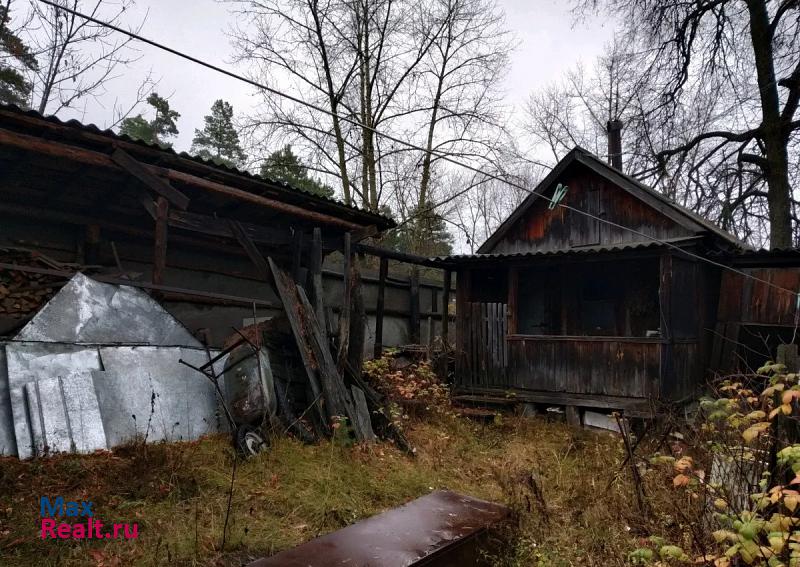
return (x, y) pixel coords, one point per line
(562, 307)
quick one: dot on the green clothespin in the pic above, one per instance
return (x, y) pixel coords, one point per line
(558, 195)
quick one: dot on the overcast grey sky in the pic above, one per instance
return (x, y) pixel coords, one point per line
(549, 43)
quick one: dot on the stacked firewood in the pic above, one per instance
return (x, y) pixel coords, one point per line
(23, 293)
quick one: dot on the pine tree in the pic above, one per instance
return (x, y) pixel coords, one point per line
(154, 131)
(15, 59)
(218, 140)
(284, 165)
(425, 234)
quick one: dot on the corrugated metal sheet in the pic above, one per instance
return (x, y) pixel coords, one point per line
(584, 250)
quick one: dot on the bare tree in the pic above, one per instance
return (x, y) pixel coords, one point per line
(76, 57)
(426, 73)
(747, 49)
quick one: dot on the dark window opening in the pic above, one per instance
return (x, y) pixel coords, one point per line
(591, 299)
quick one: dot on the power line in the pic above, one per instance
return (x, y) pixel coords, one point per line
(439, 155)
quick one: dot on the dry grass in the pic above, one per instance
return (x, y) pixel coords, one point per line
(178, 494)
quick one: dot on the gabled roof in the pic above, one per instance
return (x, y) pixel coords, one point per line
(92, 137)
(680, 215)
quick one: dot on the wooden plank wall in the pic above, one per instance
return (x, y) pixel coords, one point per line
(543, 229)
(746, 301)
(485, 356)
(597, 366)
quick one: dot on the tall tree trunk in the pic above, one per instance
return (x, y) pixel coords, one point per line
(334, 104)
(776, 168)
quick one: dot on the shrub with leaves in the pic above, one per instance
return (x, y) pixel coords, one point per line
(405, 386)
(746, 511)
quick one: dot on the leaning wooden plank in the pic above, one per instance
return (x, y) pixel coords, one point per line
(380, 413)
(250, 248)
(337, 397)
(362, 414)
(292, 308)
(152, 181)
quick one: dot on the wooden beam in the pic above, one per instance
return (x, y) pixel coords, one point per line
(160, 245)
(400, 256)
(151, 181)
(247, 197)
(379, 310)
(250, 248)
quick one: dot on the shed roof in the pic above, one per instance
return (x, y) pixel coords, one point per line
(582, 251)
(90, 136)
(665, 206)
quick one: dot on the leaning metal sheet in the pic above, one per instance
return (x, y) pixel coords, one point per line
(87, 311)
(65, 416)
(8, 441)
(42, 361)
(145, 391)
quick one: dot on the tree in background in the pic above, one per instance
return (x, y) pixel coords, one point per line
(284, 165)
(163, 125)
(743, 54)
(15, 60)
(428, 73)
(219, 140)
(77, 58)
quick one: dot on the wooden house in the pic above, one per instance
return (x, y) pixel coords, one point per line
(566, 308)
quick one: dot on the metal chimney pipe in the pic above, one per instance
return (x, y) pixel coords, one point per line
(614, 129)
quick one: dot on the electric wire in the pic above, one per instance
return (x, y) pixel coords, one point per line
(440, 155)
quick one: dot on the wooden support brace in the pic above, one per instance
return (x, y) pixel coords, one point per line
(151, 181)
(250, 248)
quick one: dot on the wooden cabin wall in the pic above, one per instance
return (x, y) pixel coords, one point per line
(753, 317)
(686, 319)
(497, 349)
(543, 229)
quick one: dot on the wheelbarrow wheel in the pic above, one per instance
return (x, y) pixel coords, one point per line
(249, 441)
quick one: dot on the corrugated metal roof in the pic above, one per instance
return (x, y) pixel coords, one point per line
(114, 136)
(584, 250)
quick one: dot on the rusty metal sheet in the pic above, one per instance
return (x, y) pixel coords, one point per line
(431, 530)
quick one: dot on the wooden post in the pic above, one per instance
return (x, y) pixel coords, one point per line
(316, 278)
(297, 256)
(160, 250)
(513, 297)
(414, 307)
(382, 274)
(344, 314)
(358, 320)
(448, 277)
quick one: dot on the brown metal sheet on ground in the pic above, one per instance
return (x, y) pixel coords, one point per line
(441, 528)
